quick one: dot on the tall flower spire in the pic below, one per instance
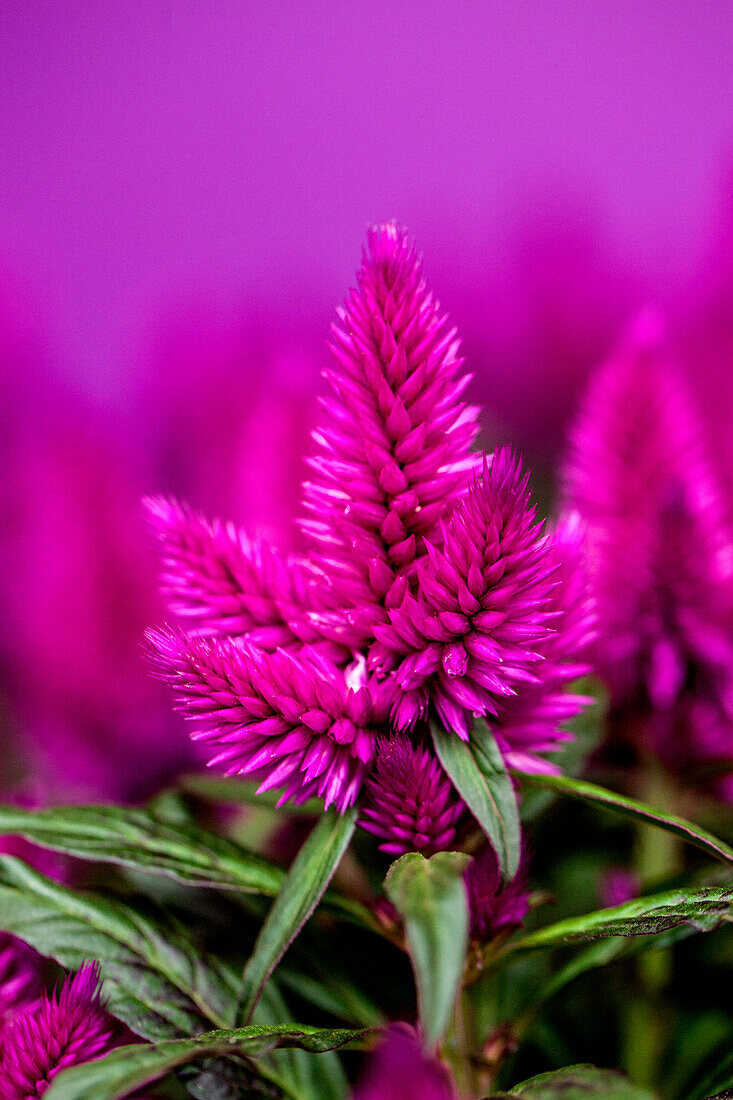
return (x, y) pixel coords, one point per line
(660, 553)
(395, 444)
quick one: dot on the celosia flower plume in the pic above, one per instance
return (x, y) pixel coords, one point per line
(429, 584)
(65, 1029)
(660, 554)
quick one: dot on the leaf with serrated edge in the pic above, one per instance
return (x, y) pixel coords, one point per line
(477, 771)
(430, 896)
(154, 978)
(305, 884)
(131, 1067)
(631, 807)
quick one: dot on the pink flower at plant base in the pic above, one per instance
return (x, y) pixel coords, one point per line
(428, 581)
(65, 1029)
(410, 802)
(660, 553)
(399, 1070)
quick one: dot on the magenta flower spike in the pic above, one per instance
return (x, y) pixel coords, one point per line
(494, 908)
(471, 636)
(290, 722)
(394, 448)
(399, 1070)
(660, 554)
(410, 802)
(65, 1029)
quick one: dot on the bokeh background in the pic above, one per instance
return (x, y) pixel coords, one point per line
(184, 189)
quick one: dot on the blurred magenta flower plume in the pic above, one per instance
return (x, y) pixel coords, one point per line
(69, 1027)
(410, 802)
(399, 1070)
(428, 582)
(20, 980)
(660, 554)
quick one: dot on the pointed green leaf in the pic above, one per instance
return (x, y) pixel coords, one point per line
(293, 1069)
(630, 807)
(134, 838)
(702, 910)
(577, 1083)
(430, 896)
(305, 884)
(142, 840)
(154, 977)
(477, 771)
(131, 1067)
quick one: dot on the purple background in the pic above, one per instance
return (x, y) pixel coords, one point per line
(231, 153)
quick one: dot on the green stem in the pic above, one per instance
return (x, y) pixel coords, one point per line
(456, 1050)
(657, 856)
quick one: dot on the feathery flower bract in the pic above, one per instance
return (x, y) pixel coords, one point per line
(290, 722)
(411, 804)
(220, 583)
(660, 553)
(531, 722)
(494, 907)
(470, 635)
(65, 1029)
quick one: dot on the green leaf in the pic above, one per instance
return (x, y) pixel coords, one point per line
(630, 807)
(134, 838)
(305, 884)
(145, 841)
(295, 1071)
(578, 1083)
(477, 771)
(430, 896)
(154, 978)
(131, 1067)
(703, 910)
